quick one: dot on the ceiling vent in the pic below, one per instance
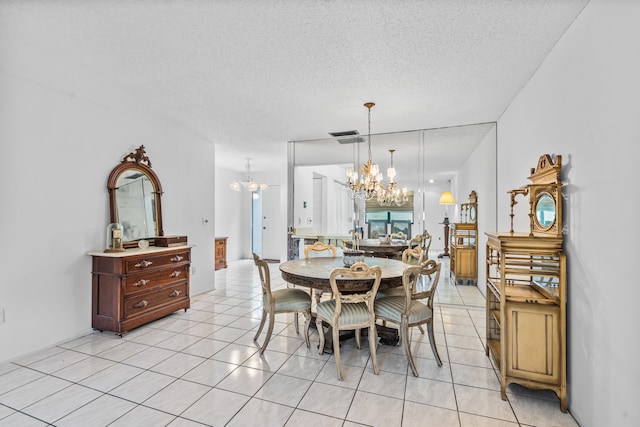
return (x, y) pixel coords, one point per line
(347, 136)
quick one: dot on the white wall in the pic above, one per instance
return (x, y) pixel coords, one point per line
(56, 153)
(478, 173)
(232, 213)
(583, 104)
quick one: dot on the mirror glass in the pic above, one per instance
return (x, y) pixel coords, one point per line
(425, 163)
(136, 205)
(545, 210)
(472, 213)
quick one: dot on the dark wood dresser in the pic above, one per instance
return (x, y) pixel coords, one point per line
(135, 287)
(221, 253)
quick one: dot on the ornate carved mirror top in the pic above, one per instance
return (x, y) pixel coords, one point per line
(545, 197)
(469, 211)
(134, 198)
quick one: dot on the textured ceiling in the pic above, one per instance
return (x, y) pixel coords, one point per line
(250, 75)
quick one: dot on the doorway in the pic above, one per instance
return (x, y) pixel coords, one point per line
(265, 220)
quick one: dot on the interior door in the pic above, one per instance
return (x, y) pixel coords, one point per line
(273, 224)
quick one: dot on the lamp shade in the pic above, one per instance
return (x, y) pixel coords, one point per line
(447, 198)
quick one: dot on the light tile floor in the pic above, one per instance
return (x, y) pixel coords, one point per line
(201, 367)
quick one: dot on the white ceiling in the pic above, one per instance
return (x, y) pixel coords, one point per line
(251, 75)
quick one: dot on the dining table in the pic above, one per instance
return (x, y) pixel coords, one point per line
(314, 273)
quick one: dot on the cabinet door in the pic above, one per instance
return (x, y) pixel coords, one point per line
(466, 263)
(533, 342)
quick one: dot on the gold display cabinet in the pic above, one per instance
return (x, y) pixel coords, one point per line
(526, 290)
(463, 264)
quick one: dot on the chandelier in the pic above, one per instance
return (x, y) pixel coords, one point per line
(248, 182)
(392, 194)
(370, 182)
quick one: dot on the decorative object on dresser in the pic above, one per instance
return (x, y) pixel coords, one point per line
(446, 199)
(145, 281)
(221, 253)
(114, 238)
(526, 290)
(463, 266)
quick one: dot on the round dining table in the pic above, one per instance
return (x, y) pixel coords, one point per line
(314, 273)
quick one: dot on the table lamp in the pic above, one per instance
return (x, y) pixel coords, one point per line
(446, 199)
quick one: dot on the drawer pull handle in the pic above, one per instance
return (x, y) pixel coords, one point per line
(143, 264)
(175, 274)
(177, 258)
(175, 293)
(141, 282)
(141, 304)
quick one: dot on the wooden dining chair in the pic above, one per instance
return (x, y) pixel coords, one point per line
(288, 300)
(350, 311)
(319, 247)
(410, 256)
(413, 256)
(408, 311)
(398, 236)
(423, 241)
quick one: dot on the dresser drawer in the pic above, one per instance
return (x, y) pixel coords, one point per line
(139, 305)
(154, 278)
(142, 263)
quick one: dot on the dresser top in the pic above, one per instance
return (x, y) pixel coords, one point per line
(138, 251)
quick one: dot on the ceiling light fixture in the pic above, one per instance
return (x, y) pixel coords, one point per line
(367, 185)
(248, 182)
(392, 194)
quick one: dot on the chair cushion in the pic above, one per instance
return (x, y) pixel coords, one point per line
(353, 313)
(392, 308)
(289, 299)
(397, 291)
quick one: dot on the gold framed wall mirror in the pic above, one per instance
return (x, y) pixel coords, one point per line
(135, 199)
(545, 194)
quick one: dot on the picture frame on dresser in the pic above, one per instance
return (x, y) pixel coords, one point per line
(147, 280)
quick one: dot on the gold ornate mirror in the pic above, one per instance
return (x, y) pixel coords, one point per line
(545, 194)
(134, 199)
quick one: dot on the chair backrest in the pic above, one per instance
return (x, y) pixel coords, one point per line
(319, 247)
(413, 256)
(426, 243)
(265, 276)
(420, 282)
(399, 235)
(359, 270)
(423, 241)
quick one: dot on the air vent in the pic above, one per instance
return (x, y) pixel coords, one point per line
(348, 133)
(344, 133)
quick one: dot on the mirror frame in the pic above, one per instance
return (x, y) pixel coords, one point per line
(139, 161)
